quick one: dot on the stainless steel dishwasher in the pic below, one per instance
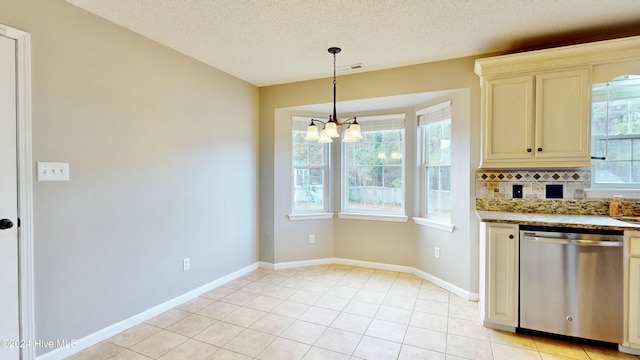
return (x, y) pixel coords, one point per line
(571, 282)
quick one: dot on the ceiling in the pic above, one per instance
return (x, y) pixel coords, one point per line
(267, 42)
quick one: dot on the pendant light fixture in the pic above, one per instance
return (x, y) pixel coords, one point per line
(330, 128)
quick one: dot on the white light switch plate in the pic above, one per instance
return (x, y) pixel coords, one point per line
(53, 171)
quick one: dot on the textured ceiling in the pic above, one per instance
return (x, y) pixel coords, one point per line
(266, 42)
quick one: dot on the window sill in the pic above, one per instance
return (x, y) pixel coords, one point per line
(313, 216)
(374, 217)
(608, 193)
(440, 225)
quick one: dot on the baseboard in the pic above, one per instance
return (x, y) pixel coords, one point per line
(103, 334)
(381, 266)
(447, 286)
(628, 350)
(295, 264)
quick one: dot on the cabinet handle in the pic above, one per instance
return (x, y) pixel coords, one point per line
(529, 150)
(510, 236)
(539, 149)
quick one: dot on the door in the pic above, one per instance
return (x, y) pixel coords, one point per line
(9, 309)
(562, 116)
(502, 275)
(508, 119)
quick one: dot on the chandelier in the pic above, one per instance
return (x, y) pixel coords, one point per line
(330, 128)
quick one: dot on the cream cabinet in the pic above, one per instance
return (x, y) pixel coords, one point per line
(499, 275)
(633, 292)
(535, 106)
(537, 120)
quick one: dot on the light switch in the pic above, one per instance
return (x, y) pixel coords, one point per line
(53, 171)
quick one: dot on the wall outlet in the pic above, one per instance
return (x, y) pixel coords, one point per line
(186, 264)
(436, 253)
(312, 239)
(517, 191)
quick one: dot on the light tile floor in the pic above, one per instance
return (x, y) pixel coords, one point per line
(330, 312)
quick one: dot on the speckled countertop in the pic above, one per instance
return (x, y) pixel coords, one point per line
(577, 221)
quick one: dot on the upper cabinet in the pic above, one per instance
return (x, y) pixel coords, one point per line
(536, 105)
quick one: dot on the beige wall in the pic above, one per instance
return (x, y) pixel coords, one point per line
(163, 161)
(404, 244)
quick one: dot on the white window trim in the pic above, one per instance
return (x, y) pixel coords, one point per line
(319, 213)
(374, 217)
(310, 216)
(438, 222)
(608, 193)
(443, 224)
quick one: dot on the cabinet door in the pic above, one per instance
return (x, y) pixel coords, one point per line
(634, 301)
(508, 119)
(502, 275)
(562, 116)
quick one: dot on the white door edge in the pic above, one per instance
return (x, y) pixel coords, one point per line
(25, 186)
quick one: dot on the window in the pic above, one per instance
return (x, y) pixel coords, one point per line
(615, 120)
(310, 171)
(434, 132)
(373, 167)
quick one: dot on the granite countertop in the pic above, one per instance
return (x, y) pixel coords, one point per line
(576, 221)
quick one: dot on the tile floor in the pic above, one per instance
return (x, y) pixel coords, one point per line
(330, 312)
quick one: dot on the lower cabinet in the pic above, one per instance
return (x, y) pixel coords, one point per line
(633, 318)
(499, 265)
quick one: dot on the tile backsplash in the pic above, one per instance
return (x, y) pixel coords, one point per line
(494, 192)
(498, 184)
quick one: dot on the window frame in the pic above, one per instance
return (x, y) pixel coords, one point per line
(433, 114)
(611, 186)
(370, 124)
(299, 124)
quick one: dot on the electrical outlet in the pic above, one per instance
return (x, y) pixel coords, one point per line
(437, 253)
(186, 264)
(312, 239)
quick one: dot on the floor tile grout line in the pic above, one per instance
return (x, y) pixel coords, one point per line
(330, 279)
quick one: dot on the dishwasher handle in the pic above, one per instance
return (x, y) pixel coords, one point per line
(566, 241)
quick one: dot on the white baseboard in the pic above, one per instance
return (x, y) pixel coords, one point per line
(295, 264)
(447, 286)
(103, 334)
(381, 266)
(374, 265)
(628, 350)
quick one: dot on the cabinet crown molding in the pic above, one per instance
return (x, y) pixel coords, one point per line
(561, 57)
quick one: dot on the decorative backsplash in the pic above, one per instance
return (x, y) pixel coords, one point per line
(498, 184)
(494, 192)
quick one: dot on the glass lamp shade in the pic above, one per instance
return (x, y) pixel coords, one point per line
(331, 129)
(348, 136)
(354, 130)
(312, 132)
(324, 138)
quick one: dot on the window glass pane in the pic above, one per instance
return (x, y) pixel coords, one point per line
(619, 150)
(615, 125)
(438, 190)
(613, 171)
(437, 162)
(310, 167)
(375, 172)
(308, 189)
